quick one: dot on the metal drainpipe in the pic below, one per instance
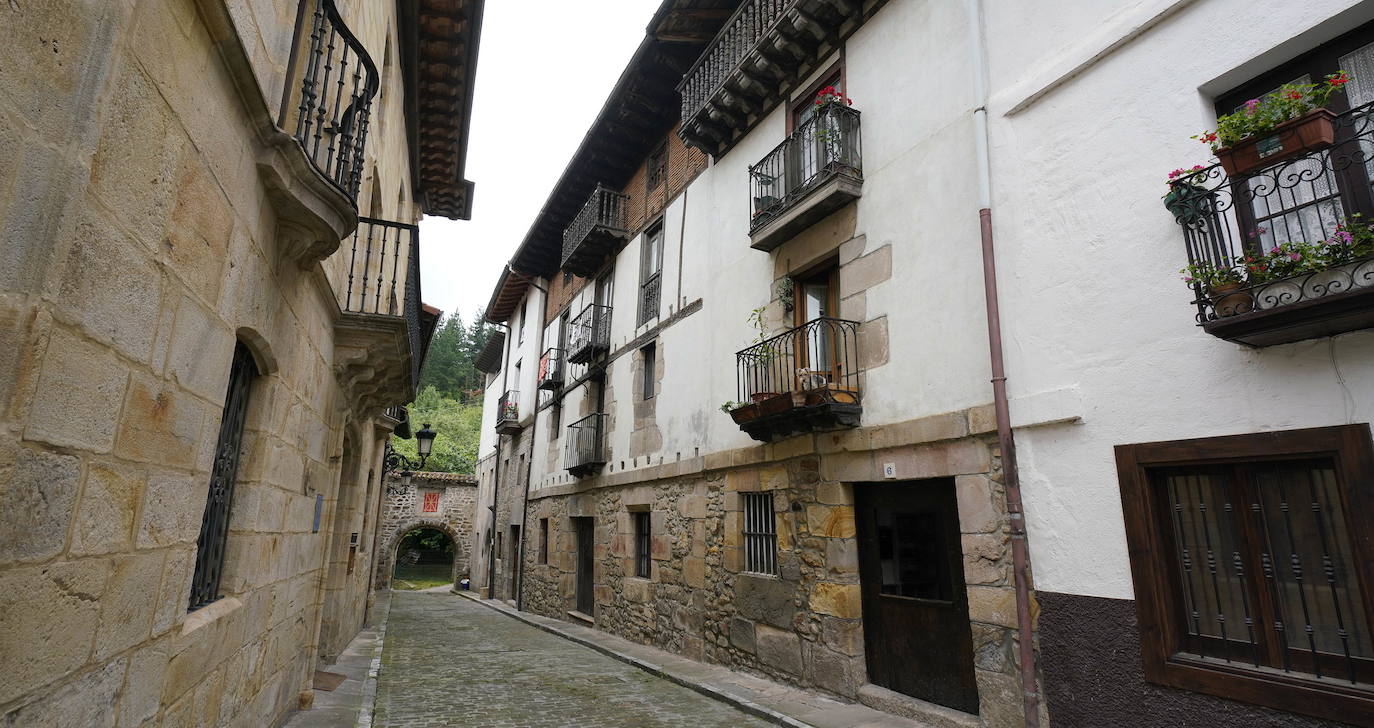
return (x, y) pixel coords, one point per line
(1020, 554)
(519, 582)
(496, 480)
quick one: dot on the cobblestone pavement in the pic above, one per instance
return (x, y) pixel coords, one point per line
(450, 662)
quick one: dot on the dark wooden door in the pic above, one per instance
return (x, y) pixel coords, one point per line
(585, 603)
(916, 628)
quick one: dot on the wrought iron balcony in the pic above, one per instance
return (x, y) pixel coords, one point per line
(649, 293)
(765, 46)
(583, 449)
(384, 277)
(1293, 239)
(508, 413)
(805, 379)
(596, 231)
(551, 368)
(589, 334)
(332, 100)
(817, 170)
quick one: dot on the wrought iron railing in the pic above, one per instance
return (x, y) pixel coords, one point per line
(589, 332)
(820, 357)
(551, 368)
(649, 292)
(1291, 232)
(384, 277)
(582, 448)
(823, 147)
(752, 22)
(380, 253)
(606, 208)
(333, 99)
(508, 408)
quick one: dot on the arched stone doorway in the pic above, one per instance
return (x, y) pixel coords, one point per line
(424, 558)
(398, 544)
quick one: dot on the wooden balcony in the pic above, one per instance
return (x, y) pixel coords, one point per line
(765, 48)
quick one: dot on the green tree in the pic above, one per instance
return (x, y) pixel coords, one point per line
(458, 427)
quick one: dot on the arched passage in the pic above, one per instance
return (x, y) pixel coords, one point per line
(420, 555)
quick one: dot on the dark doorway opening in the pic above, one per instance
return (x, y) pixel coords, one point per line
(424, 559)
(585, 565)
(917, 639)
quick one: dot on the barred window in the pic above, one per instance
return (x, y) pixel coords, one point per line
(643, 543)
(1252, 579)
(543, 540)
(760, 534)
(214, 524)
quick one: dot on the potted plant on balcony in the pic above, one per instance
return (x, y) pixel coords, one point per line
(1284, 124)
(1186, 195)
(1221, 284)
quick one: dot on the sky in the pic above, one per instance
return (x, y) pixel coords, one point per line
(544, 69)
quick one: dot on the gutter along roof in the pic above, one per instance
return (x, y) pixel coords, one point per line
(641, 108)
(438, 54)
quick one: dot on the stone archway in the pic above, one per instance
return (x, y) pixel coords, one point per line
(446, 502)
(386, 556)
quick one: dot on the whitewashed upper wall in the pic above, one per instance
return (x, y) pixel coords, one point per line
(1098, 324)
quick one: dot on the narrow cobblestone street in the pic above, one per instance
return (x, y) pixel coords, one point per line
(451, 662)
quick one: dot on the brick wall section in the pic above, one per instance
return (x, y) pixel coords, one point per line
(684, 164)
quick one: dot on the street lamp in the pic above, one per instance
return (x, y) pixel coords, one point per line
(392, 460)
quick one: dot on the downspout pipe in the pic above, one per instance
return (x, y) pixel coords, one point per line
(1020, 552)
(519, 582)
(496, 480)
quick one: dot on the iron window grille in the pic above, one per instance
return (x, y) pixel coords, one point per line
(338, 82)
(1253, 568)
(760, 534)
(643, 543)
(214, 524)
(650, 274)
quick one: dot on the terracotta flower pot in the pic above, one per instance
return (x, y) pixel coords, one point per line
(1309, 132)
(1229, 300)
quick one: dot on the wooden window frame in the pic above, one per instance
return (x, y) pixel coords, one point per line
(1157, 602)
(656, 168)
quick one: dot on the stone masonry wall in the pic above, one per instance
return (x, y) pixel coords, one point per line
(804, 626)
(404, 511)
(140, 242)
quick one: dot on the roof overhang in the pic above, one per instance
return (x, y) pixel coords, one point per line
(642, 107)
(510, 289)
(489, 359)
(438, 52)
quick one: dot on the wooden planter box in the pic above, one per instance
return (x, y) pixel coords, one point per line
(1307, 133)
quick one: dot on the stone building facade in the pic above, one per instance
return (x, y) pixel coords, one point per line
(443, 501)
(193, 397)
(945, 354)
